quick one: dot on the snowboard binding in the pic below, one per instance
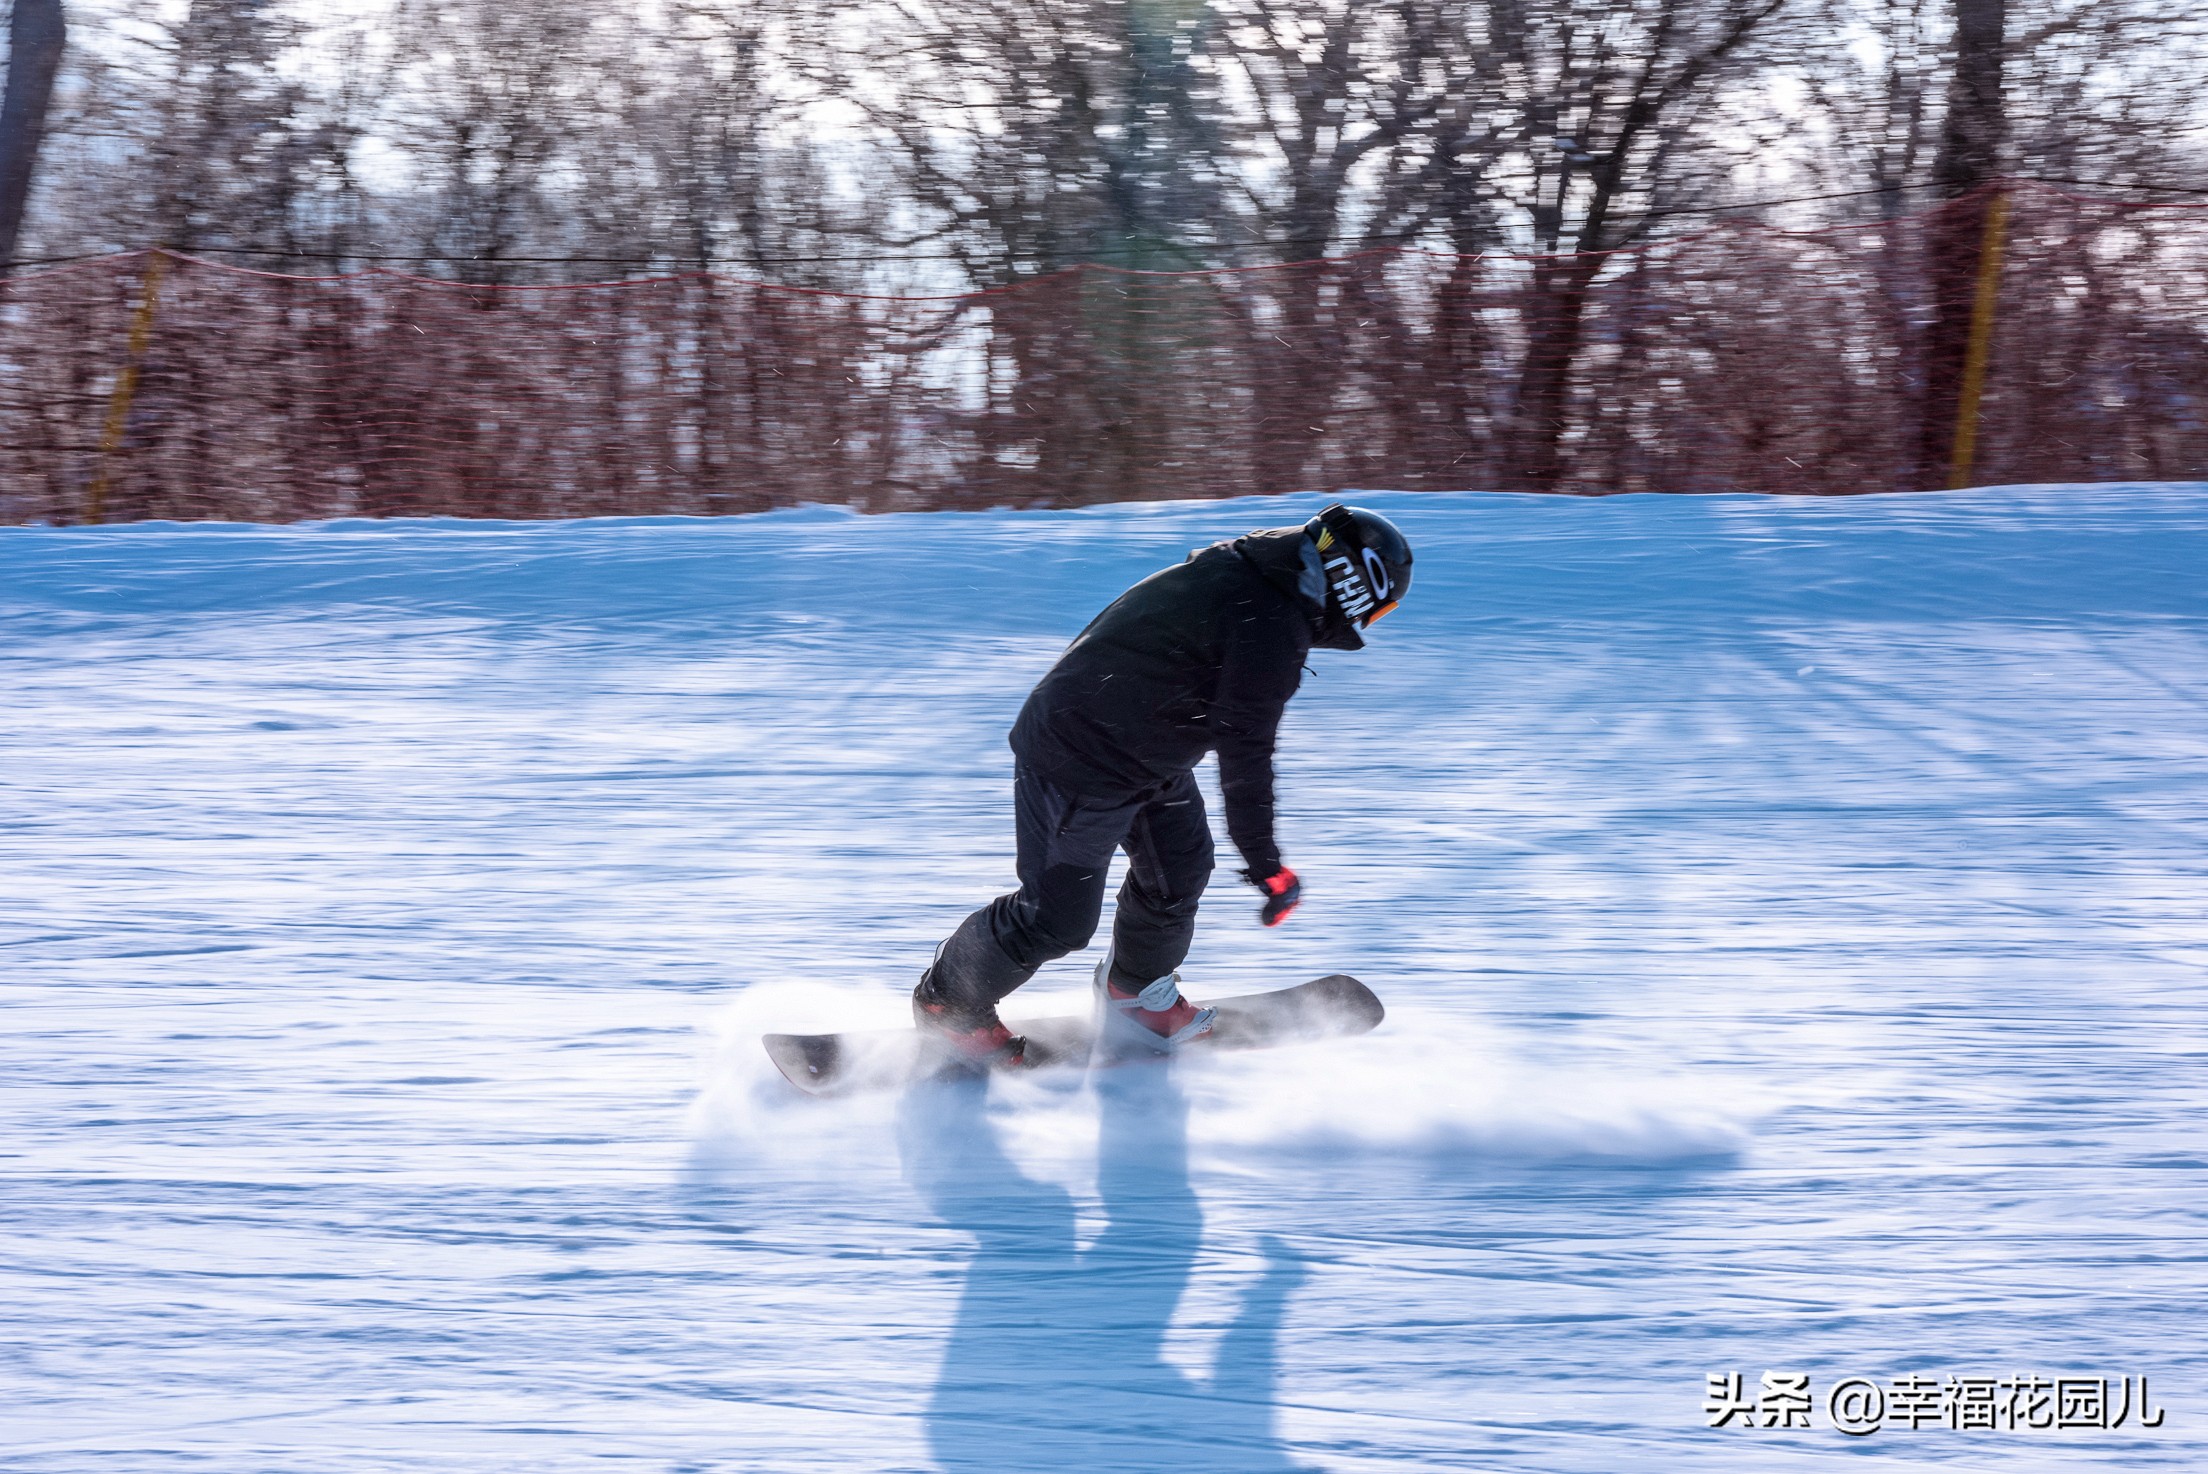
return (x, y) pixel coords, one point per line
(1154, 1017)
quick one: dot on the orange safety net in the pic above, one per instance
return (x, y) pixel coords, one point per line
(1741, 358)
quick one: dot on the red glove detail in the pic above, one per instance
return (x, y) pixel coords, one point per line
(1283, 892)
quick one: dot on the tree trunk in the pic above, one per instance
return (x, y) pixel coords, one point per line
(1556, 310)
(36, 34)
(1967, 164)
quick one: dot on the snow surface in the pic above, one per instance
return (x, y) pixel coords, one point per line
(1791, 914)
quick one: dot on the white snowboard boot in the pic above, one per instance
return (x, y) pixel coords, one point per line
(1156, 1018)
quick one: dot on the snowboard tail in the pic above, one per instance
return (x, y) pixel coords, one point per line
(1332, 1007)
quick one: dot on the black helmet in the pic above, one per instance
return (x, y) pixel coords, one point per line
(1367, 561)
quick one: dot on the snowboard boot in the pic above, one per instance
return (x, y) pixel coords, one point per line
(975, 1035)
(1149, 1016)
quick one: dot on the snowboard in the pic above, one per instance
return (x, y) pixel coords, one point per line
(1332, 1007)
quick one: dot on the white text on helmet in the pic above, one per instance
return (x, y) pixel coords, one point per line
(1376, 576)
(1352, 592)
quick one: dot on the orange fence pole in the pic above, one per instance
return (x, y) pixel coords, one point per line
(1981, 341)
(126, 387)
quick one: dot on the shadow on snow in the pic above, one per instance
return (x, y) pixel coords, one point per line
(1056, 1360)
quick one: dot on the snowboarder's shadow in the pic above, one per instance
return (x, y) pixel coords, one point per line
(1056, 1360)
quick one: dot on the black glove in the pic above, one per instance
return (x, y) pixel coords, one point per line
(1282, 892)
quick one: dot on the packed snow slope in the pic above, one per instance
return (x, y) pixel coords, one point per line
(1791, 915)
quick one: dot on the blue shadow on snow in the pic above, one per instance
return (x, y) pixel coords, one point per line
(1056, 1361)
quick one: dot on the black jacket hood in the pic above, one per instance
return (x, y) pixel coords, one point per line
(1290, 562)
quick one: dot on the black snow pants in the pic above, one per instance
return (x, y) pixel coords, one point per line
(1066, 842)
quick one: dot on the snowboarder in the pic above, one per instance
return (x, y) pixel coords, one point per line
(1196, 658)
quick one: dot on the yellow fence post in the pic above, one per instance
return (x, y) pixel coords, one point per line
(126, 386)
(1981, 341)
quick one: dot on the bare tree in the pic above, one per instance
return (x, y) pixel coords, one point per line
(223, 157)
(1033, 135)
(37, 34)
(500, 98)
(1605, 104)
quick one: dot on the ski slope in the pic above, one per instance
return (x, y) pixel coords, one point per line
(1791, 915)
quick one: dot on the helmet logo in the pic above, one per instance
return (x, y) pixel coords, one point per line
(1353, 593)
(1376, 576)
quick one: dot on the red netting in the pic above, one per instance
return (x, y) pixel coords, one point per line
(148, 385)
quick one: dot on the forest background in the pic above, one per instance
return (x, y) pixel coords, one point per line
(943, 148)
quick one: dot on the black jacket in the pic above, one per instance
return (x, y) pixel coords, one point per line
(1196, 658)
